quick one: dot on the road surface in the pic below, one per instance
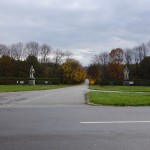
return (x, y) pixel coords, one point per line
(60, 120)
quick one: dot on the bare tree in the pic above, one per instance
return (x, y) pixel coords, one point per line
(96, 59)
(102, 61)
(17, 51)
(97, 62)
(58, 55)
(128, 55)
(144, 49)
(4, 50)
(138, 57)
(32, 48)
(68, 54)
(138, 54)
(45, 52)
(148, 47)
(57, 58)
(104, 58)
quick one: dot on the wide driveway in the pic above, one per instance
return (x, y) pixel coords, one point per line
(60, 120)
(65, 96)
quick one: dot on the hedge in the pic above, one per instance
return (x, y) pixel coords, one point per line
(14, 80)
(139, 82)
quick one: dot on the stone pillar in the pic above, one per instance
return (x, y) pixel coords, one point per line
(31, 81)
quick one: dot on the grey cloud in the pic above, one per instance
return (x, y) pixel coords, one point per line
(77, 25)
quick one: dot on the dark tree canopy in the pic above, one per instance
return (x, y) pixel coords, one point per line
(145, 68)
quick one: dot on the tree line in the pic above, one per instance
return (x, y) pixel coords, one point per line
(109, 66)
(16, 60)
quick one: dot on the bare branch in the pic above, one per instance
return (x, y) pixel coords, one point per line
(17, 51)
(4, 50)
(32, 48)
(45, 52)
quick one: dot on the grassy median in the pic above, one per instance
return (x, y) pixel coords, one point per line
(17, 88)
(123, 95)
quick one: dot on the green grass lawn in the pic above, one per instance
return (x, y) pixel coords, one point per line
(126, 95)
(120, 99)
(16, 88)
(122, 88)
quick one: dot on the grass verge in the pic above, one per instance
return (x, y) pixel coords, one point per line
(119, 99)
(121, 88)
(17, 88)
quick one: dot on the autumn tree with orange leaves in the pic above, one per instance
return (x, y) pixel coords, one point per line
(116, 64)
(72, 72)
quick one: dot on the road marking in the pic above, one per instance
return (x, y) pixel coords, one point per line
(115, 122)
(25, 101)
(38, 97)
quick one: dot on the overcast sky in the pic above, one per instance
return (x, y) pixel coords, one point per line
(85, 27)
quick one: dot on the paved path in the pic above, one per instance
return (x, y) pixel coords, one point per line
(64, 96)
(59, 120)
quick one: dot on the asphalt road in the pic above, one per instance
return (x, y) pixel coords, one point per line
(59, 120)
